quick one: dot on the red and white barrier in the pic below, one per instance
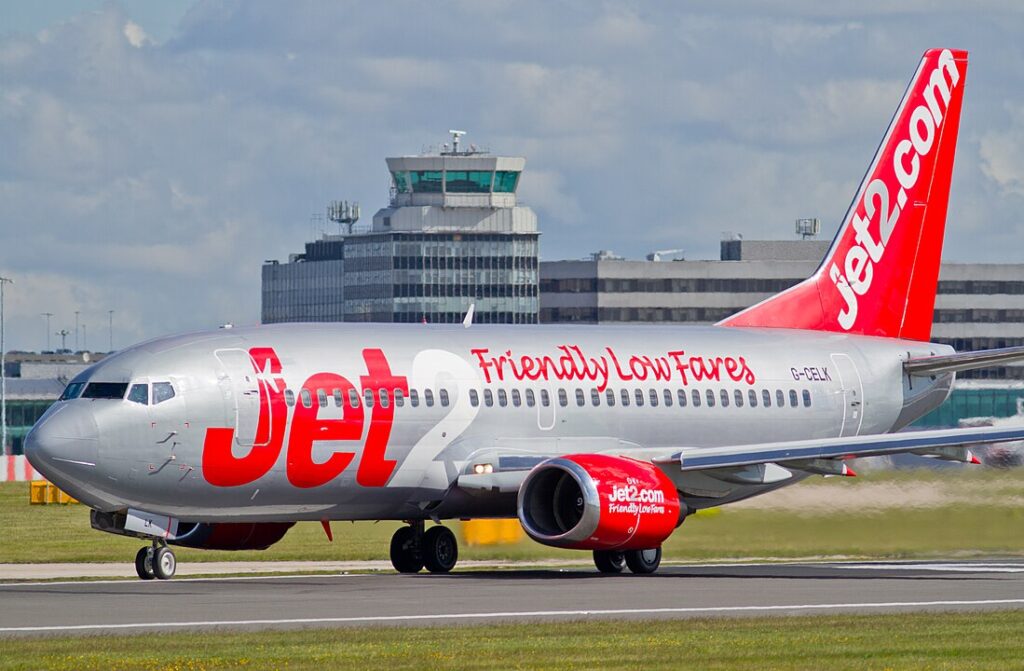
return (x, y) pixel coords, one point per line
(17, 469)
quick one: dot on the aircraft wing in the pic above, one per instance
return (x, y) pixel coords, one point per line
(824, 455)
(951, 363)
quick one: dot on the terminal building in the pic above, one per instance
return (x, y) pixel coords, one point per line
(453, 235)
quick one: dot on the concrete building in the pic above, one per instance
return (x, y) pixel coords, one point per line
(453, 234)
(979, 306)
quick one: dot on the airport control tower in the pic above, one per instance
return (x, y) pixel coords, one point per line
(452, 235)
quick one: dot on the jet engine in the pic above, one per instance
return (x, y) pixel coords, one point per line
(231, 535)
(598, 502)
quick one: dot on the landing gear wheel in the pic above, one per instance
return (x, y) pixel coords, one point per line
(164, 563)
(144, 563)
(643, 561)
(440, 549)
(609, 561)
(406, 556)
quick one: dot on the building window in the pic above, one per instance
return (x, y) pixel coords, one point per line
(505, 181)
(425, 181)
(473, 181)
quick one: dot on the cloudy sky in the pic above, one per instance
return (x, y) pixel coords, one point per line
(153, 154)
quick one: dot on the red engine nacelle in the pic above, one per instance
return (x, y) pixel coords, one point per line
(231, 535)
(598, 502)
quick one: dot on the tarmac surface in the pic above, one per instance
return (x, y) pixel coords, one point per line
(681, 591)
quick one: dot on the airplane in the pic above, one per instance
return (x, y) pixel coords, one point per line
(599, 438)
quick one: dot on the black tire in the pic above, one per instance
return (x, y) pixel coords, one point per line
(165, 564)
(643, 562)
(144, 563)
(405, 555)
(440, 549)
(609, 561)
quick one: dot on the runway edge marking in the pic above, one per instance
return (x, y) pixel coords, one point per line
(369, 619)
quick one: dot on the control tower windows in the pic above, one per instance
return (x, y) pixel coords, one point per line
(473, 181)
(505, 181)
(426, 181)
(401, 180)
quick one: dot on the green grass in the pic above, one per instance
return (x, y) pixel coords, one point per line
(935, 641)
(984, 517)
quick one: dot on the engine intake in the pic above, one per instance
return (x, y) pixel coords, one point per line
(231, 535)
(598, 502)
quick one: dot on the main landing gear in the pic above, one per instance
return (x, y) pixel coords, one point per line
(156, 561)
(638, 561)
(412, 549)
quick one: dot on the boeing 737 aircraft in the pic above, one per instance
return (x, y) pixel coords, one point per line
(597, 438)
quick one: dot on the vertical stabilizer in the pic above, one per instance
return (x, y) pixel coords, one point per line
(880, 275)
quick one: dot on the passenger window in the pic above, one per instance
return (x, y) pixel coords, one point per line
(625, 398)
(443, 394)
(517, 399)
(792, 398)
(321, 397)
(580, 400)
(502, 398)
(531, 400)
(289, 397)
(653, 394)
(414, 398)
(668, 397)
(353, 397)
(307, 398)
(681, 397)
(139, 393)
(595, 398)
(399, 398)
(737, 396)
(695, 396)
(563, 398)
(428, 398)
(488, 397)
(545, 398)
(711, 398)
(474, 398)
(368, 398)
(162, 391)
(780, 398)
(725, 398)
(766, 398)
(752, 398)
(807, 398)
(384, 400)
(337, 398)
(609, 397)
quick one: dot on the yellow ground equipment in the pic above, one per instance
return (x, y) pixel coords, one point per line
(492, 532)
(42, 491)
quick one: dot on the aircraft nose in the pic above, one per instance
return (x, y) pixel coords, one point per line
(63, 442)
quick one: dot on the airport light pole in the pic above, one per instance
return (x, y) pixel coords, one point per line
(48, 315)
(4, 281)
(110, 326)
(77, 348)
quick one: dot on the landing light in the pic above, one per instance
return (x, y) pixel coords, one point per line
(481, 469)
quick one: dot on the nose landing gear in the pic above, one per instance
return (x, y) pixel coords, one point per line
(412, 549)
(156, 561)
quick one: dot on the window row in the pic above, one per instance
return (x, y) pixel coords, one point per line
(515, 398)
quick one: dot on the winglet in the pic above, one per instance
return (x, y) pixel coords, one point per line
(468, 321)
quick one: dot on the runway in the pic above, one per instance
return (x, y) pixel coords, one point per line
(99, 607)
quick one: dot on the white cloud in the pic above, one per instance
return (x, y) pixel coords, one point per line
(136, 36)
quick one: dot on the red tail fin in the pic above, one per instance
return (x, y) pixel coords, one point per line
(880, 274)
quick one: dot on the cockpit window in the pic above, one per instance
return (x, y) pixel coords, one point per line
(105, 390)
(162, 391)
(73, 390)
(139, 393)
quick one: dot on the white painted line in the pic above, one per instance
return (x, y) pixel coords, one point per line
(960, 568)
(369, 619)
(208, 578)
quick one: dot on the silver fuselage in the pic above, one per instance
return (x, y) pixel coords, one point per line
(115, 454)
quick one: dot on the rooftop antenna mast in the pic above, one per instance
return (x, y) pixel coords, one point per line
(343, 213)
(456, 134)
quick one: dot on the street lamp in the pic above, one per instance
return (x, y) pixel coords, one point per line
(3, 370)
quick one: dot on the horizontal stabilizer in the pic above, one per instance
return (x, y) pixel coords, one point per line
(952, 363)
